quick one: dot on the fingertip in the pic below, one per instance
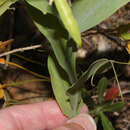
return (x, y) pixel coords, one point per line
(80, 122)
(85, 121)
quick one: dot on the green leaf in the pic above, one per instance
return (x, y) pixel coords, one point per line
(113, 107)
(4, 5)
(75, 100)
(68, 20)
(102, 85)
(107, 125)
(91, 12)
(42, 5)
(50, 26)
(59, 85)
(91, 71)
(71, 53)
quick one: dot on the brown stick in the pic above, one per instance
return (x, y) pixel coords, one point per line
(20, 50)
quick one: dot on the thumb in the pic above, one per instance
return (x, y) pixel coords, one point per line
(80, 122)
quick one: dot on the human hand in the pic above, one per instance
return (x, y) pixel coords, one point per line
(43, 116)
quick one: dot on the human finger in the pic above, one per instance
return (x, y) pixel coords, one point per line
(80, 122)
(46, 115)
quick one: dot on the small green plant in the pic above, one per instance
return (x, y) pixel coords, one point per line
(105, 104)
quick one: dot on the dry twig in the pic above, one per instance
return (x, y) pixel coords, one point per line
(20, 50)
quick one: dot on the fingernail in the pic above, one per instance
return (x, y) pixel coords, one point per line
(80, 122)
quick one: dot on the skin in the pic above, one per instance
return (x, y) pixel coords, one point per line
(43, 116)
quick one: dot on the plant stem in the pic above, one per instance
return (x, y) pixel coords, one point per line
(117, 80)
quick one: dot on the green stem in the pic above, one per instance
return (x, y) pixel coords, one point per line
(117, 80)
